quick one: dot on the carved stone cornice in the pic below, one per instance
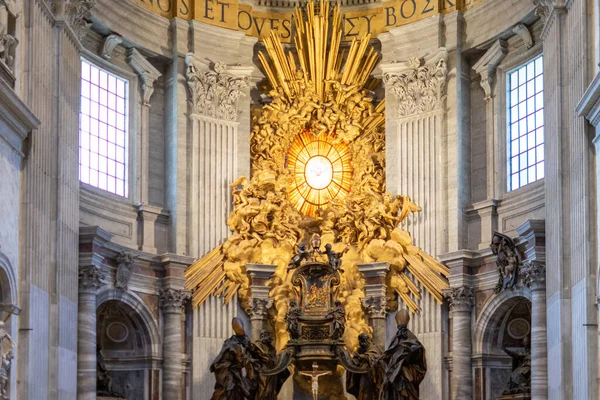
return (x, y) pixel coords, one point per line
(534, 274)
(110, 42)
(375, 306)
(77, 14)
(173, 300)
(460, 298)
(419, 86)
(258, 308)
(214, 93)
(487, 65)
(90, 279)
(146, 71)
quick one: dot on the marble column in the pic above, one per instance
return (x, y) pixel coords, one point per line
(259, 302)
(534, 276)
(90, 280)
(461, 302)
(171, 303)
(375, 300)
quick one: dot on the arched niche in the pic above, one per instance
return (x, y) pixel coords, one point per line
(128, 335)
(8, 295)
(504, 322)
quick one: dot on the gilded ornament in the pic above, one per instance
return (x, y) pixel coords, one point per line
(321, 105)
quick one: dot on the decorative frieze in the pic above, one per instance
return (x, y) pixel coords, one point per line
(461, 297)
(534, 274)
(420, 88)
(214, 93)
(173, 300)
(90, 278)
(124, 264)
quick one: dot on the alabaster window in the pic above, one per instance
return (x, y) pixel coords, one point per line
(103, 123)
(525, 87)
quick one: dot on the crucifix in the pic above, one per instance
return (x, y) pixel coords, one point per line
(314, 377)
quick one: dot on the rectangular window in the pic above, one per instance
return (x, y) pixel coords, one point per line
(103, 123)
(525, 137)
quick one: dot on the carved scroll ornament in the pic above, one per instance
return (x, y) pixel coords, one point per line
(214, 93)
(420, 89)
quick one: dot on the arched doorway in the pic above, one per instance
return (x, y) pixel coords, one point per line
(504, 323)
(127, 346)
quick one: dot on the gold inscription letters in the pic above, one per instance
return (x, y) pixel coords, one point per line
(234, 15)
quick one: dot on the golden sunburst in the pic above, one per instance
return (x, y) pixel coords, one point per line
(321, 169)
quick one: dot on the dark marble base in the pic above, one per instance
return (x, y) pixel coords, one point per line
(520, 396)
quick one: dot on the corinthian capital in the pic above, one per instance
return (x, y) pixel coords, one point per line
(90, 278)
(258, 308)
(376, 306)
(172, 300)
(77, 15)
(214, 91)
(534, 274)
(460, 298)
(418, 86)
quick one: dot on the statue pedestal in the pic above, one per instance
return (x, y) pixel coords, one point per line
(520, 396)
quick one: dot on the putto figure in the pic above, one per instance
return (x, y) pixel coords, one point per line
(334, 258)
(301, 255)
(365, 386)
(233, 367)
(405, 364)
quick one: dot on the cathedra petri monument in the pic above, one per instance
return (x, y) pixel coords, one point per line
(318, 257)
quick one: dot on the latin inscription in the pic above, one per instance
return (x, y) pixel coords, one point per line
(241, 17)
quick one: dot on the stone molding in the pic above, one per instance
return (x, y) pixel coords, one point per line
(146, 71)
(419, 86)
(376, 306)
(534, 275)
(173, 300)
(258, 308)
(589, 105)
(487, 65)
(90, 279)
(16, 117)
(215, 92)
(110, 42)
(460, 298)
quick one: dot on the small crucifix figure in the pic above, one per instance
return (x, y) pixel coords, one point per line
(314, 378)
